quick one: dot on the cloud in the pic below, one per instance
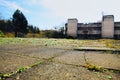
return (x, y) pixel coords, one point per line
(66, 7)
(32, 2)
(85, 10)
(12, 5)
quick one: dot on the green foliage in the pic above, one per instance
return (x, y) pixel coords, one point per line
(32, 35)
(112, 44)
(94, 67)
(7, 75)
(33, 29)
(36, 64)
(11, 35)
(20, 22)
(17, 25)
(42, 34)
(109, 77)
(54, 34)
(49, 33)
(1, 34)
(1, 76)
(68, 43)
(6, 26)
(20, 69)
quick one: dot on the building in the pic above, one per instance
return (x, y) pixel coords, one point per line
(107, 28)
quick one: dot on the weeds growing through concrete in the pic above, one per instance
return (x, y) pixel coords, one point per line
(92, 67)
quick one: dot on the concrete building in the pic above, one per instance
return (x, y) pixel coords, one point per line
(107, 28)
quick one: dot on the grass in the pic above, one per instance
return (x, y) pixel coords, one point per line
(19, 70)
(59, 43)
(62, 43)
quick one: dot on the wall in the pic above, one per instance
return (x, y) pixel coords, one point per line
(72, 28)
(108, 26)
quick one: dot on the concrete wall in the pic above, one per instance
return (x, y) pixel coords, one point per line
(117, 32)
(108, 26)
(90, 32)
(72, 27)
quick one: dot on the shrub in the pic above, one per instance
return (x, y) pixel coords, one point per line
(9, 35)
(29, 35)
(32, 35)
(1, 34)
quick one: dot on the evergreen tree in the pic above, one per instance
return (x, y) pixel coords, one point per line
(20, 22)
(6, 26)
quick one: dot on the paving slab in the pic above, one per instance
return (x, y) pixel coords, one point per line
(57, 71)
(12, 57)
(93, 57)
(11, 62)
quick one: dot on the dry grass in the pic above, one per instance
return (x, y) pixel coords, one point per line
(62, 43)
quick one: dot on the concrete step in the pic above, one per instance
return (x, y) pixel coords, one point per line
(96, 49)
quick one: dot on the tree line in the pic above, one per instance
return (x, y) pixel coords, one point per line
(18, 26)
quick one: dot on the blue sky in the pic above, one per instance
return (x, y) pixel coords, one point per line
(47, 14)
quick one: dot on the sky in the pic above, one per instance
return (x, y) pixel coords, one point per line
(48, 14)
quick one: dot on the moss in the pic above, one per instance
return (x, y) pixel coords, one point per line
(36, 64)
(94, 67)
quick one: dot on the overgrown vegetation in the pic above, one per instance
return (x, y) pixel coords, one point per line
(62, 43)
(18, 26)
(1, 34)
(19, 70)
(113, 44)
(91, 66)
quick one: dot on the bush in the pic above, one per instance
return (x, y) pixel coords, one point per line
(29, 35)
(9, 35)
(32, 35)
(1, 34)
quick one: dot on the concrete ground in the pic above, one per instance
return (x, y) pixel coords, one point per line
(57, 63)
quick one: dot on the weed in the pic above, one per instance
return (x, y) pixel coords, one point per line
(92, 67)
(109, 77)
(20, 69)
(7, 75)
(109, 52)
(36, 64)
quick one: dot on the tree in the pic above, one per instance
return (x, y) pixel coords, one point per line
(30, 28)
(33, 29)
(6, 26)
(20, 22)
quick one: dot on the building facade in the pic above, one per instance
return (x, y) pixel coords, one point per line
(107, 28)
